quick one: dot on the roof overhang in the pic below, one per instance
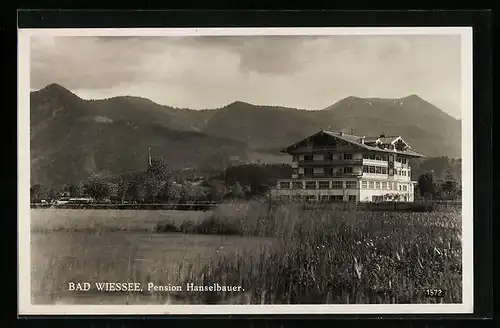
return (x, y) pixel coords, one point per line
(410, 153)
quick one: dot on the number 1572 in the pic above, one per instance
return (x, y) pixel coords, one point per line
(434, 292)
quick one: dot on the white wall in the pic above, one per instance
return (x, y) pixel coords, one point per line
(317, 193)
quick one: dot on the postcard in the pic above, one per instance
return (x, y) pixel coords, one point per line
(245, 171)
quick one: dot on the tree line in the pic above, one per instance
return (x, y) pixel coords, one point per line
(158, 184)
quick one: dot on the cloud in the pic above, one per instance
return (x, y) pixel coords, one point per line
(309, 72)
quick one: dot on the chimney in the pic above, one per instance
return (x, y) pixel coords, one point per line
(363, 140)
(382, 136)
(341, 133)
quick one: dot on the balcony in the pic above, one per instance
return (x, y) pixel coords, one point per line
(330, 162)
(334, 175)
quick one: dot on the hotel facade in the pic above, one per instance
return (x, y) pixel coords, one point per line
(335, 166)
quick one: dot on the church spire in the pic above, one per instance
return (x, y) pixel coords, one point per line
(149, 156)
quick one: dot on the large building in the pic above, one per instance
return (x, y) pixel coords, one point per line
(335, 166)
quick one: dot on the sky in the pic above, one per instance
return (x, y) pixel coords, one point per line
(205, 72)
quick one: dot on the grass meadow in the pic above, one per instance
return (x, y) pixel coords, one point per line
(283, 256)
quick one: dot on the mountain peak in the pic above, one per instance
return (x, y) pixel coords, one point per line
(54, 87)
(412, 97)
(239, 103)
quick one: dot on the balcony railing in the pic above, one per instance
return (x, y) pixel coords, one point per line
(335, 175)
(323, 162)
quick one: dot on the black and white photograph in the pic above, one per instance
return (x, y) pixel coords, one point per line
(245, 170)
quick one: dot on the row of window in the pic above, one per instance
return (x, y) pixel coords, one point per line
(327, 171)
(384, 158)
(320, 185)
(349, 156)
(384, 185)
(332, 198)
(326, 157)
(384, 170)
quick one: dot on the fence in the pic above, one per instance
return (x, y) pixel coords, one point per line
(197, 206)
(428, 206)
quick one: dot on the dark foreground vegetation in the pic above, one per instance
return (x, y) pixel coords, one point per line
(315, 256)
(333, 257)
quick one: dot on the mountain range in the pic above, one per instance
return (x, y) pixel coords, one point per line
(72, 137)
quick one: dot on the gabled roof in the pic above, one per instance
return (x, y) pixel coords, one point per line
(367, 143)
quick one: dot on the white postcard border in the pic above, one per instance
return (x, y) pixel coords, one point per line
(24, 267)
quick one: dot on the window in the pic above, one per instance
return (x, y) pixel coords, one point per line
(378, 157)
(310, 184)
(371, 184)
(403, 172)
(378, 170)
(285, 185)
(351, 184)
(352, 198)
(366, 156)
(377, 185)
(372, 169)
(384, 185)
(377, 198)
(384, 158)
(324, 198)
(308, 171)
(295, 170)
(365, 169)
(400, 188)
(297, 185)
(364, 184)
(347, 169)
(328, 157)
(384, 170)
(347, 156)
(372, 156)
(394, 186)
(311, 198)
(337, 184)
(308, 158)
(324, 185)
(328, 171)
(388, 185)
(336, 198)
(295, 158)
(405, 188)
(403, 161)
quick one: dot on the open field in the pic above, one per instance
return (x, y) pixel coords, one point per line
(287, 256)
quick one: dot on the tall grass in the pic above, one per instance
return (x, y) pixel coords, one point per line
(336, 257)
(315, 257)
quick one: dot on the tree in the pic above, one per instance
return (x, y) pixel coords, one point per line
(123, 187)
(188, 192)
(76, 189)
(426, 184)
(237, 191)
(95, 187)
(450, 186)
(113, 191)
(136, 188)
(35, 193)
(158, 178)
